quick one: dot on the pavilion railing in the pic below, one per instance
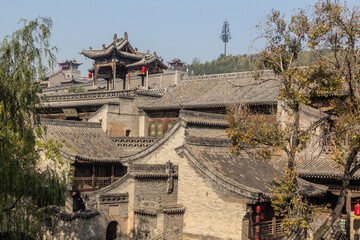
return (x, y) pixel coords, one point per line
(270, 229)
(85, 95)
(92, 183)
(98, 95)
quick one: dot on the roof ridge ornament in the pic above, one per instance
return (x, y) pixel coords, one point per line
(115, 36)
(125, 35)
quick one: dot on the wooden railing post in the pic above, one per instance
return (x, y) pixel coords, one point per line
(274, 225)
(93, 177)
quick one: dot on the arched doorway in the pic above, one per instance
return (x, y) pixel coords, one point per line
(111, 230)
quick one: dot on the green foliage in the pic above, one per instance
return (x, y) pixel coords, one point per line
(288, 204)
(242, 63)
(224, 64)
(75, 89)
(329, 34)
(249, 130)
(24, 187)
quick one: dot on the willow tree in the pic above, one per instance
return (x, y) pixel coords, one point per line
(24, 188)
(327, 26)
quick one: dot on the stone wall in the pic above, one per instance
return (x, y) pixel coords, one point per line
(153, 192)
(164, 80)
(121, 212)
(211, 211)
(123, 116)
(169, 226)
(173, 226)
(77, 229)
(56, 80)
(145, 226)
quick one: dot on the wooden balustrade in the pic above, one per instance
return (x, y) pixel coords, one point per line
(98, 95)
(92, 183)
(270, 229)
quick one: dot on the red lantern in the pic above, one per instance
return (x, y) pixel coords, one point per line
(261, 216)
(357, 209)
(257, 229)
(258, 209)
(257, 219)
(257, 237)
(90, 75)
(143, 70)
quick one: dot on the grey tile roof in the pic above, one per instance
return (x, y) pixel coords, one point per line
(209, 145)
(73, 61)
(53, 73)
(218, 93)
(118, 45)
(323, 167)
(203, 118)
(243, 171)
(83, 140)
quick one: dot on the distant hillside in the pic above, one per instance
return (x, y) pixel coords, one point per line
(239, 63)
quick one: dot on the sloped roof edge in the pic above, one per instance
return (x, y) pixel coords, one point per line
(243, 191)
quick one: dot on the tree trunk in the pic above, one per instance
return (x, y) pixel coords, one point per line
(319, 233)
(225, 49)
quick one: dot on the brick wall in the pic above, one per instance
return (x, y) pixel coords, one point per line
(152, 191)
(211, 211)
(173, 226)
(78, 229)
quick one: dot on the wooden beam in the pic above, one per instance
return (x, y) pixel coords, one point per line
(135, 73)
(110, 64)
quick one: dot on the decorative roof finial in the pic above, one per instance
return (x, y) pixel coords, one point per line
(90, 48)
(115, 36)
(103, 46)
(125, 36)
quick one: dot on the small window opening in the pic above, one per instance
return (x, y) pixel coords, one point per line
(127, 133)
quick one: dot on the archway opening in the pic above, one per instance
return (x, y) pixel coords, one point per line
(111, 230)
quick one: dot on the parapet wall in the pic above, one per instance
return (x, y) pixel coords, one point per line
(227, 75)
(99, 95)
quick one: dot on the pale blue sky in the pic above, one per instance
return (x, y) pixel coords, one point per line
(183, 29)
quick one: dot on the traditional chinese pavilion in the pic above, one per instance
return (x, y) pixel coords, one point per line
(69, 65)
(176, 62)
(119, 59)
